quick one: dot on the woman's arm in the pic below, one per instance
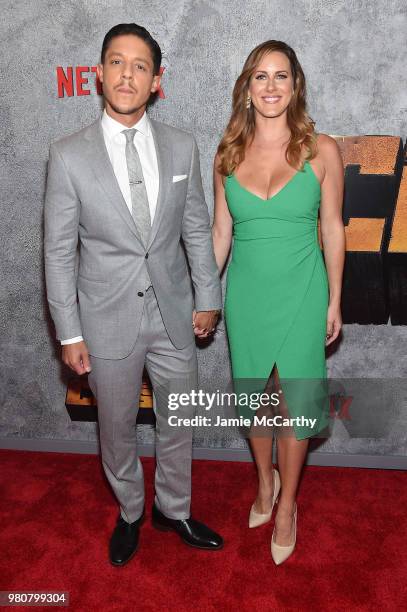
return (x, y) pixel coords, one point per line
(222, 224)
(332, 229)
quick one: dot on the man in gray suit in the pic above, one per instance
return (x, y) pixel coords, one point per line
(129, 188)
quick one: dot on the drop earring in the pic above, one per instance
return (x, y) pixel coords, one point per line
(248, 101)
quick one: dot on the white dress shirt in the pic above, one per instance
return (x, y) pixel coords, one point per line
(115, 143)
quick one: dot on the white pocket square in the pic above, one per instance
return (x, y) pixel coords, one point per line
(179, 177)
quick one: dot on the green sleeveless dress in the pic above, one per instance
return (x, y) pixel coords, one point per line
(277, 297)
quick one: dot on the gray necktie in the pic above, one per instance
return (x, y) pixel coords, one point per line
(139, 199)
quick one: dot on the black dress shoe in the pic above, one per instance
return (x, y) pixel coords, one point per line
(191, 532)
(124, 540)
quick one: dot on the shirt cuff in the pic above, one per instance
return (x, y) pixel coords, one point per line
(217, 310)
(72, 340)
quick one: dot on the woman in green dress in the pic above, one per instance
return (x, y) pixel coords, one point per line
(273, 174)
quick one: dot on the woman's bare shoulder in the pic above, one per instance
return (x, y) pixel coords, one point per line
(218, 177)
(329, 154)
(327, 146)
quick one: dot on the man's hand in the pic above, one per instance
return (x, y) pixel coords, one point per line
(76, 356)
(204, 322)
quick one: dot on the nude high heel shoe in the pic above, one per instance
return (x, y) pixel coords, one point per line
(281, 553)
(257, 518)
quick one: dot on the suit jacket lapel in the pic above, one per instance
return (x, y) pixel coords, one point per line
(164, 158)
(103, 169)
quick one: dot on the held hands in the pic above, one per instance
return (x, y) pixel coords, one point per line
(76, 356)
(204, 323)
(333, 323)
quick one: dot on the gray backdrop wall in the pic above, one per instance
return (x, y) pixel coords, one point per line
(352, 53)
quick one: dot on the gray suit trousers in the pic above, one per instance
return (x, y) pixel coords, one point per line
(116, 384)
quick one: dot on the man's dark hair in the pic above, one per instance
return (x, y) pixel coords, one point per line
(132, 28)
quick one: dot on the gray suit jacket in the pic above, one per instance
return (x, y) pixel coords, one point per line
(84, 201)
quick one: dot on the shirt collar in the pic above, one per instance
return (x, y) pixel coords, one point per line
(112, 128)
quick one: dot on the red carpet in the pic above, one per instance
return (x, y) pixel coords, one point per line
(58, 513)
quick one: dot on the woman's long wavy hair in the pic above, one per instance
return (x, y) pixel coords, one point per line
(240, 129)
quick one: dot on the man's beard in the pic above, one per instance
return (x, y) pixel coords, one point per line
(127, 111)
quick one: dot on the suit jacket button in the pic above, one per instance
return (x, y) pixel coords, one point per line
(146, 257)
(140, 294)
